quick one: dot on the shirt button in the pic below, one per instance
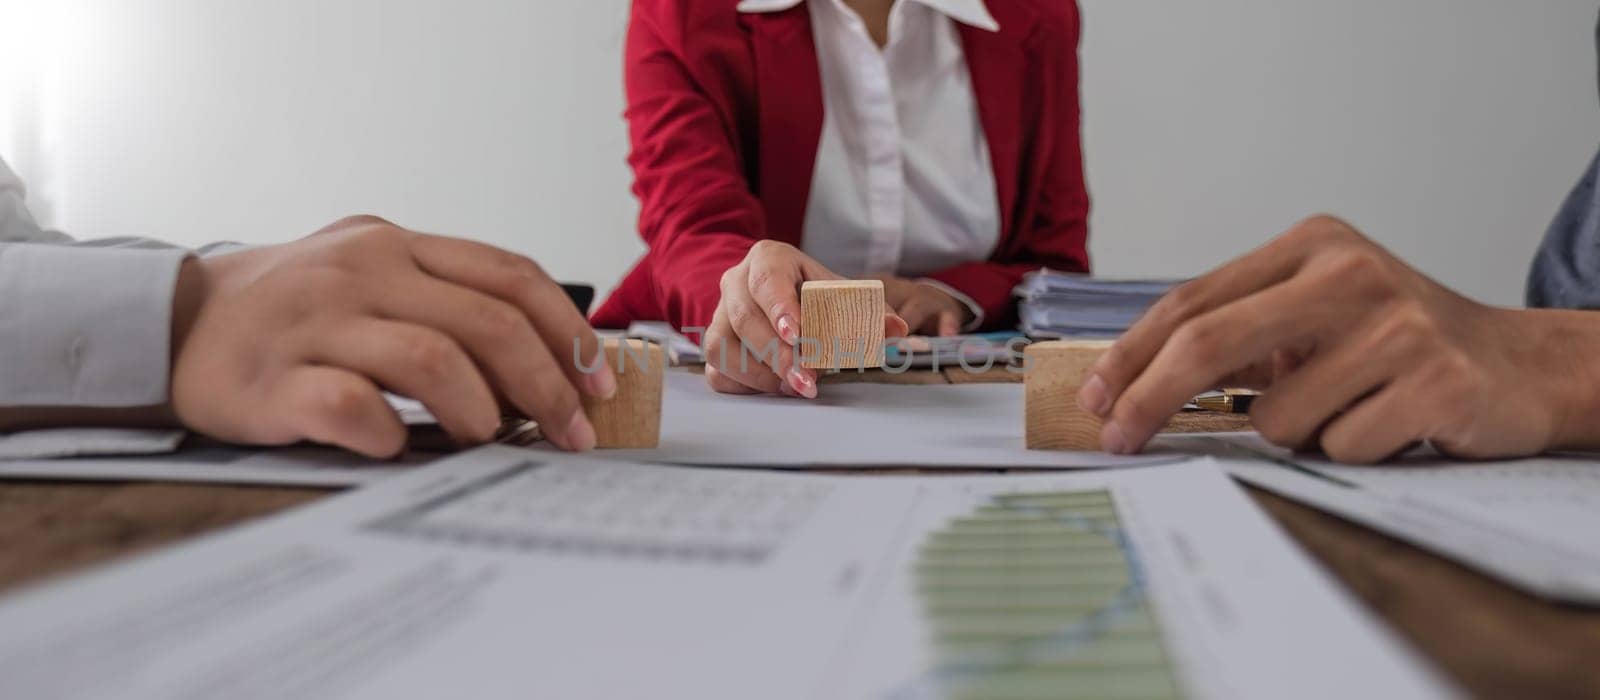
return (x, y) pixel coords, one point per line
(75, 352)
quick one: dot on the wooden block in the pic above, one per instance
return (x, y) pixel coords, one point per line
(631, 418)
(1055, 370)
(841, 324)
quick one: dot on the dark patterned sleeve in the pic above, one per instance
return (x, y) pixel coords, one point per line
(1566, 270)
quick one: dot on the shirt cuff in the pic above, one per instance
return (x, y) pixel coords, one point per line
(85, 326)
(977, 311)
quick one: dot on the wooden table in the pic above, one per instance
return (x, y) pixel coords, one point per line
(1494, 641)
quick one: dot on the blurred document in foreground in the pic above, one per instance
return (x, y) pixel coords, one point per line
(207, 462)
(503, 573)
(1531, 523)
(1062, 304)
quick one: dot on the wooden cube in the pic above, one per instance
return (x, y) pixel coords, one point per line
(631, 418)
(1054, 371)
(841, 324)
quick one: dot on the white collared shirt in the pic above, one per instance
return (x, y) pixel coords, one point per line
(903, 183)
(81, 323)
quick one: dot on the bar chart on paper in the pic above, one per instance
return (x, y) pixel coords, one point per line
(1039, 595)
(619, 514)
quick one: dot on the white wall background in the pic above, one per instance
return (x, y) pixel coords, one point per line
(1450, 129)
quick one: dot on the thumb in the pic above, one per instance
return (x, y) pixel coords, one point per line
(813, 271)
(337, 407)
(893, 325)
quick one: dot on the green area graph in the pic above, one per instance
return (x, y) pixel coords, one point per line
(1039, 595)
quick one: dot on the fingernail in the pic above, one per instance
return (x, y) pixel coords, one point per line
(601, 384)
(802, 382)
(1092, 396)
(788, 329)
(580, 434)
(1112, 440)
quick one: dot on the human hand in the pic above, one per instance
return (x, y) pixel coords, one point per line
(927, 309)
(293, 342)
(1356, 351)
(750, 343)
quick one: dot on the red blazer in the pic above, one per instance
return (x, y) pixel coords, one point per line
(725, 114)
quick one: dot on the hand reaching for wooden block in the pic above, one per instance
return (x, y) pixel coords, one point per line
(1055, 370)
(841, 324)
(632, 417)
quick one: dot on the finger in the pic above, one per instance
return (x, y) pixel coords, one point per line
(415, 361)
(773, 277)
(721, 384)
(724, 353)
(1263, 268)
(1215, 345)
(949, 323)
(502, 341)
(522, 283)
(334, 407)
(1260, 375)
(894, 326)
(895, 290)
(920, 315)
(759, 343)
(1378, 428)
(1257, 376)
(1302, 401)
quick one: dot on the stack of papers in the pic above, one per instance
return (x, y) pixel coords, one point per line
(1062, 304)
(680, 349)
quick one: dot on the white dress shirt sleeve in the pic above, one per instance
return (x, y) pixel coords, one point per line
(82, 324)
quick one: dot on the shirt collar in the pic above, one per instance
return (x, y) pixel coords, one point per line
(970, 12)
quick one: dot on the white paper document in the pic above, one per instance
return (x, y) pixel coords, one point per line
(127, 454)
(505, 573)
(965, 425)
(79, 442)
(1531, 523)
(284, 466)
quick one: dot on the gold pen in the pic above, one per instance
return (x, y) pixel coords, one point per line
(1230, 401)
